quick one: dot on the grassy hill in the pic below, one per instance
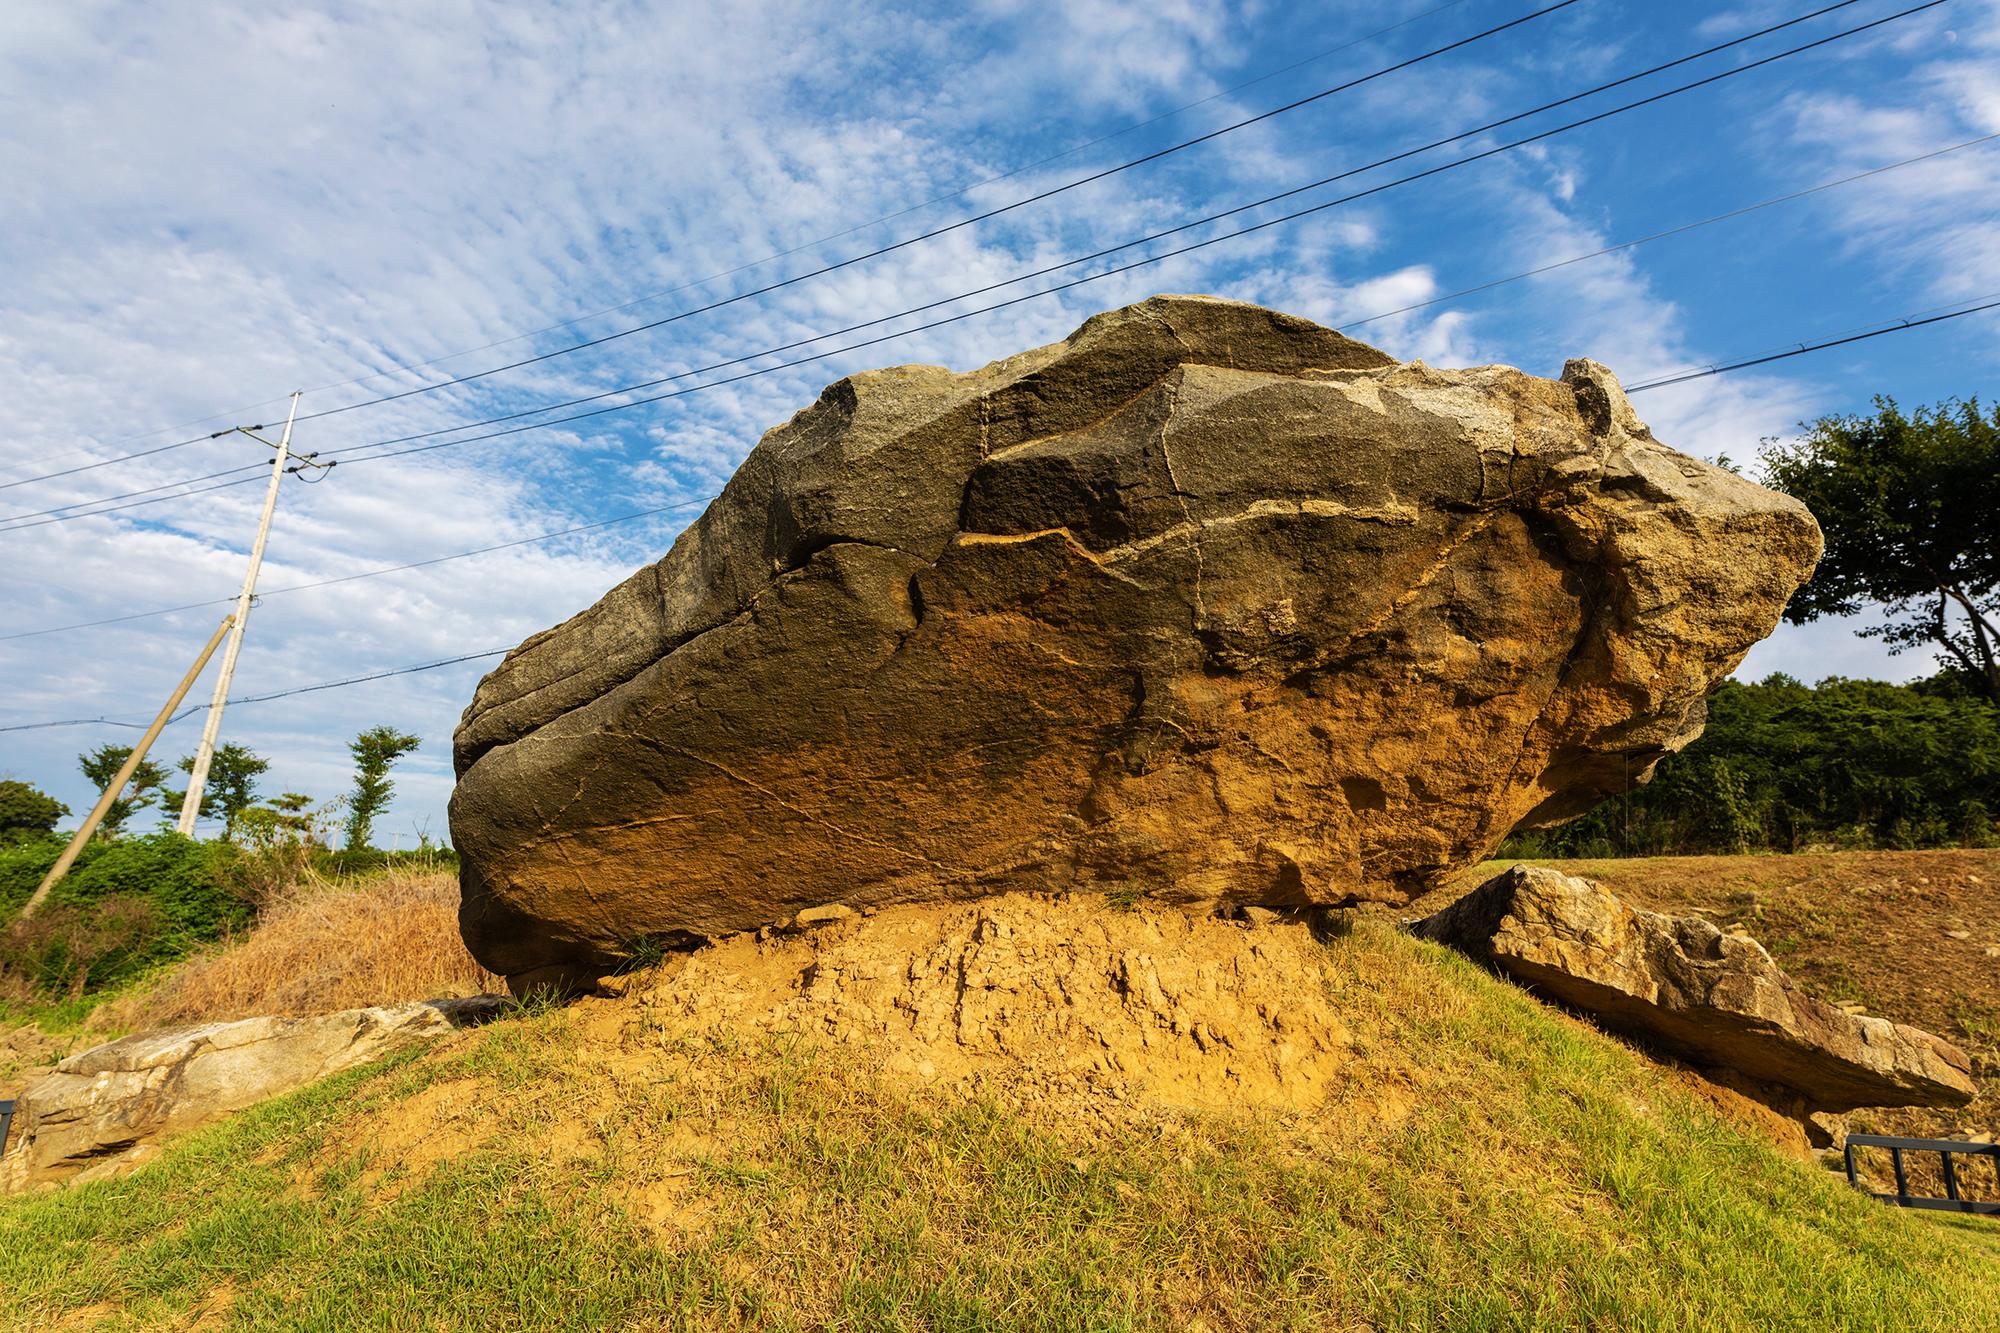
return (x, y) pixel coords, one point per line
(1485, 1162)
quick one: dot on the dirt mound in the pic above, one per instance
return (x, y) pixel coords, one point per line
(1032, 999)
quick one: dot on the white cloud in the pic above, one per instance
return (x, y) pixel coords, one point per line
(216, 205)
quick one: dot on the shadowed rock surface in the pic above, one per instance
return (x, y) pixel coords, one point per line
(1206, 603)
(1711, 998)
(104, 1111)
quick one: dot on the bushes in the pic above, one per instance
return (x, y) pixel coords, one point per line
(326, 945)
(132, 904)
(1784, 766)
(127, 905)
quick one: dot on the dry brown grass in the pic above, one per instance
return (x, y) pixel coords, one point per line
(325, 946)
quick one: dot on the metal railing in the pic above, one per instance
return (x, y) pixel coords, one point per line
(1954, 1200)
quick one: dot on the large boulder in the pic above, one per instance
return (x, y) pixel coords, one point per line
(1205, 602)
(1715, 999)
(105, 1111)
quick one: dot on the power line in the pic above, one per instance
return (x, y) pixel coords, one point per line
(148, 490)
(976, 218)
(1206, 220)
(1136, 264)
(126, 458)
(264, 698)
(893, 246)
(960, 192)
(1912, 321)
(1834, 333)
(1802, 349)
(1682, 229)
(367, 574)
(134, 504)
(1900, 327)
(1629, 78)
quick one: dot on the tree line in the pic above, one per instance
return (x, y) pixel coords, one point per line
(1788, 767)
(230, 795)
(136, 900)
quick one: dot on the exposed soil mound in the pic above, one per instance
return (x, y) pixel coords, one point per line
(1035, 1000)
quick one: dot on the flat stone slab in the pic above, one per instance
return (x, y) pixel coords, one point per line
(104, 1111)
(1712, 998)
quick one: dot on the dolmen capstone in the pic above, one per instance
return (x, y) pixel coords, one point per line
(1715, 999)
(1206, 603)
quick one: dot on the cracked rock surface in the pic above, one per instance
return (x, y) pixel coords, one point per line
(1713, 998)
(104, 1112)
(1205, 603)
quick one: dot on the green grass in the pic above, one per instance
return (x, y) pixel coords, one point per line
(1544, 1177)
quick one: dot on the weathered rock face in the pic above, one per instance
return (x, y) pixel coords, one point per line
(1715, 999)
(104, 1111)
(1205, 602)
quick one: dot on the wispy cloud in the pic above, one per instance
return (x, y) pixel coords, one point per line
(219, 205)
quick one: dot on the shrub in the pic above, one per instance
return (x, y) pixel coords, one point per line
(61, 951)
(125, 906)
(1785, 766)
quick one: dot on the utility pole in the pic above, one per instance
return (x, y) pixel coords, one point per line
(198, 779)
(125, 772)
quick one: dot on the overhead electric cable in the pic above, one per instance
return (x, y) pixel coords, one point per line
(791, 281)
(1682, 229)
(264, 698)
(1088, 278)
(1913, 321)
(960, 192)
(976, 218)
(1123, 268)
(1900, 327)
(368, 574)
(126, 458)
(257, 468)
(1869, 327)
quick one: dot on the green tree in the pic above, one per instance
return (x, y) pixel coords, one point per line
(231, 787)
(374, 751)
(1911, 510)
(1785, 766)
(27, 812)
(147, 782)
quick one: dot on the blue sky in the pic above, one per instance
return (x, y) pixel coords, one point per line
(210, 206)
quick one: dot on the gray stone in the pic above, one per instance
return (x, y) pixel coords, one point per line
(1712, 998)
(104, 1111)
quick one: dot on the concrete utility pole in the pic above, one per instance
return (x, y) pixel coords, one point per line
(125, 772)
(203, 756)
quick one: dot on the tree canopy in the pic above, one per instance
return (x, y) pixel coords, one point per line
(1908, 506)
(145, 786)
(26, 811)
(1784, 766)
(374, 751)
(232, 784)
